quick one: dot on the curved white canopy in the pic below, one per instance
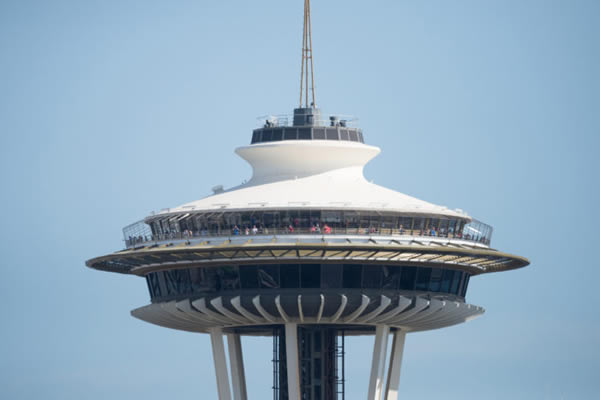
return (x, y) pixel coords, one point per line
(311, 174)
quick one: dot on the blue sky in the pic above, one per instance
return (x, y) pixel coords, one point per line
(111, 109)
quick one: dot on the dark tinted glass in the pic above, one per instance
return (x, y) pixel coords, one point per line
(372, 277)
(407, 279)
(290, 134)
(319, 134)
(331, 276)
(266, 135)
(352, 276)
(304, 134)
(268, 276)
(255, 136)
(391, 277)
(310, 275)
(455, 282)
(436, 279)
(423, 275)
(249, 276)
(332, 134)
(277, 135)
(353, 136)
(447, 280)
(229, 277)
(465, 286)
(360, 137)
(290, 275)
(344, 134)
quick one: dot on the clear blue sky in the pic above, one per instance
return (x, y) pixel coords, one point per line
(111, 109)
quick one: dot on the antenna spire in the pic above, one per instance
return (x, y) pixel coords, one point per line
(306, 56)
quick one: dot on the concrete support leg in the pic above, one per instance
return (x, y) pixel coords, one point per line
(236, 362)
(291, 350)
(378, 364)
(218, 349)
(393, 380)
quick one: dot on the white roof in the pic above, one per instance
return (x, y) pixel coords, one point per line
(311, 174)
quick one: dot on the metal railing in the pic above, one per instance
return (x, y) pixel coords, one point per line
(287, 120)
(470, 233)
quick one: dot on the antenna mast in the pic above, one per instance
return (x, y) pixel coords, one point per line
(306, 56)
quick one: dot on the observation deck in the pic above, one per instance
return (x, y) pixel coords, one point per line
(307, 250)
(307, 124)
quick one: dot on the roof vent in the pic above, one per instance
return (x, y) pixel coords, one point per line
(218, 189)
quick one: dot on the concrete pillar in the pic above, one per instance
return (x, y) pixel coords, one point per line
(393, 380)
(218, 349)
(291, 353)
(378, 363)
(236, 362)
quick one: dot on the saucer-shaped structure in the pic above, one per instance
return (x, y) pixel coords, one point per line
(307, 242)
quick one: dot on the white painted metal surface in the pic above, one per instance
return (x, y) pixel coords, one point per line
(410, 314)
(236, 362)
(393, 380)
(311, 174)
(218, 349)
(292, 364)
(378, 362)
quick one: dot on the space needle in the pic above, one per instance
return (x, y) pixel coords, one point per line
(307, 252)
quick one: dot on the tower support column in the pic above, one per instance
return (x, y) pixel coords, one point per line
(378, 363)
(393, 381)
(218, 349)
(236, 362)
(292, 361)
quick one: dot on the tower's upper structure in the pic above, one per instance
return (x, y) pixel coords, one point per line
(307, 241)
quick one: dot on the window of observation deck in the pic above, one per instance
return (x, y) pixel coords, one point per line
(345, 134)
(172, 284)
(304, 222)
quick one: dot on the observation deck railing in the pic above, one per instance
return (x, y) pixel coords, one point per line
(287, 120)
(472, 232)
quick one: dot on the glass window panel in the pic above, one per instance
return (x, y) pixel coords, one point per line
(465, 285)
(352, 276)
(391, 277)
(290, 276)
(447, 280)
(268, 276)
(229, 277)
(290, 134)
(443, 228)
(304, 134)
(277, 134)
(319, 134)
(407, 279)
(255, 136)
(423, 276)
(204, 279)
(154, 285)
(451, 226)
(332, 134)
(455, 282)
(353, 136)
(433, 227)
(266, 135)
(249, 276)
(331, 276)
(371, 277)
(418, 225)
(344, 134)
(436, 279)
(310, 275)
(360, 137)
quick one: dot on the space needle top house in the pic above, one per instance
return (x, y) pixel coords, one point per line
(307, 251)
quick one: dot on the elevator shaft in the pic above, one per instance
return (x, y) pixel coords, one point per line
(321, 363)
